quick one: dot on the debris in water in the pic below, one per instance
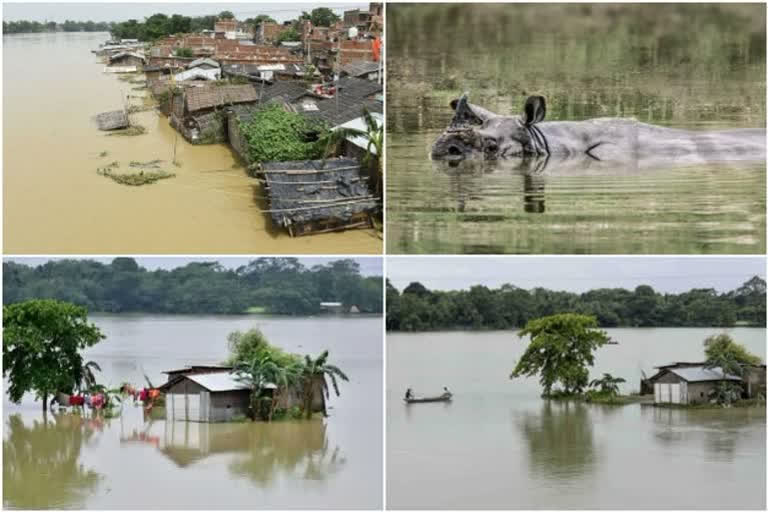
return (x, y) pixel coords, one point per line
(103, 154)
(151, 163)
(134, 179)
(132, 130)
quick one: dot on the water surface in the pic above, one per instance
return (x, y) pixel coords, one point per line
(138, 462)
(55, 203)
(693, 67)
(498, 445)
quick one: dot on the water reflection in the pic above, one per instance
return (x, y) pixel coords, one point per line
(559, 440)
(49, 447)
(259, 452)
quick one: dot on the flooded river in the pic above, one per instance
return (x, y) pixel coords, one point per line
(693, 67)
(135, 463)
(498, 445)
(54, 202)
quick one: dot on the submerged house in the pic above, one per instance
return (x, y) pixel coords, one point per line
(198, 112)
(316, 196)
(687, 383)
(125, 62)
(211, 394)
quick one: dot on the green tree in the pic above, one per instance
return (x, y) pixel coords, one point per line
(289, 34)
(608, 385)
(226, 15)
(722, 352)
(323, 17)
(257, 373)
(315, 370)
(42, 340)
(561, 350)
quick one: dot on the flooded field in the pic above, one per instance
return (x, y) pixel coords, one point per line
(56, 203)
(693, 67)
(498, 445)
(133, 462)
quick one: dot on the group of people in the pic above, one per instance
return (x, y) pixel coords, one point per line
(409, 395)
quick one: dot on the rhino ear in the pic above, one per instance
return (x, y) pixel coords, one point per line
(535, 109)
(464, 113)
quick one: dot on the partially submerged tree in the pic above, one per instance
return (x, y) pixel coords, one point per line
(608, 385)
(42, 340)
(561, 349)
(319, 369)
(724, 353)
(373, 135)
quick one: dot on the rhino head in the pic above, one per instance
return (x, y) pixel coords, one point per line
(475, 132)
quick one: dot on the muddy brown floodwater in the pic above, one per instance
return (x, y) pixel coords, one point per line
(56, 203)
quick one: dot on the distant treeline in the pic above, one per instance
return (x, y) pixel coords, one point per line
(161, 25)
(273, 285)
(25, 27)
(480, 307)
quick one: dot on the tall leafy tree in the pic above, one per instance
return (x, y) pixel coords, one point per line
(315, 370)
(42, 341)
(722, 352)
(560, 351)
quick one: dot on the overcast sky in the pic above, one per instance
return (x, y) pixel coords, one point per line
(369, 266)
(108, 11)
(574, 273)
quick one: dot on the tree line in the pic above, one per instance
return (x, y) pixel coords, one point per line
(508, 307)
(27, 27)
(271, 285)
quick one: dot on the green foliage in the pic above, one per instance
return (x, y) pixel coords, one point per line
(226, 15)
(289, 34)
(24, 26)
(42, 340)
(272, 134)
(321, 17)
(722, 352)
(161, 25)
(184, 52)
(725, 393)
(507, 307)
(275, 285)
(319, 369)
(608, 385)
(252, 345)
(561, 348)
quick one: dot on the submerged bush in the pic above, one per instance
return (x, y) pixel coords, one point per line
(272, 134)
(143, 177)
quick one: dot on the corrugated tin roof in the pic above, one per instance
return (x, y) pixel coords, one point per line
(201, 61)
(221, 382)
(198, 73)
(360, 68)
(701, 374)
(359, 124)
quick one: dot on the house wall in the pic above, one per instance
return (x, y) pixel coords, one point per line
(226, 405)
(698, 392)
(128, 60)
(754, 381)
(236, 139)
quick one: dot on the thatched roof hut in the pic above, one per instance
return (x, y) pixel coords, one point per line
(112, 120)
(314, 196)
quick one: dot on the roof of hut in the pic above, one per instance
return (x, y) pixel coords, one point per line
(127, 54)
(112, 120)
(360, 68)
(203, 61)
(307, 190)
(200, 98)
(702, 374)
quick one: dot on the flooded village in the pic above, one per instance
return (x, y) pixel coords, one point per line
(175, 390)
(561, 371)
(237, 138)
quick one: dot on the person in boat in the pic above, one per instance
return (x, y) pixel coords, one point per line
(408, 394)
(446, 392)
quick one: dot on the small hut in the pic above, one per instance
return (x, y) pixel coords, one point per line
(198, 113)
(114, 120)
(315, 196)
(688, 385)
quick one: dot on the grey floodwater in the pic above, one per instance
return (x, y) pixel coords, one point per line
(696, 67)
(134, 462)
(498, 445)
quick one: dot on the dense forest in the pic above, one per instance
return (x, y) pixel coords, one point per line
(480, 307)
(271, 285)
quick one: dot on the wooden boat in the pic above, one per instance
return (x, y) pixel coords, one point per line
(445, 397)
